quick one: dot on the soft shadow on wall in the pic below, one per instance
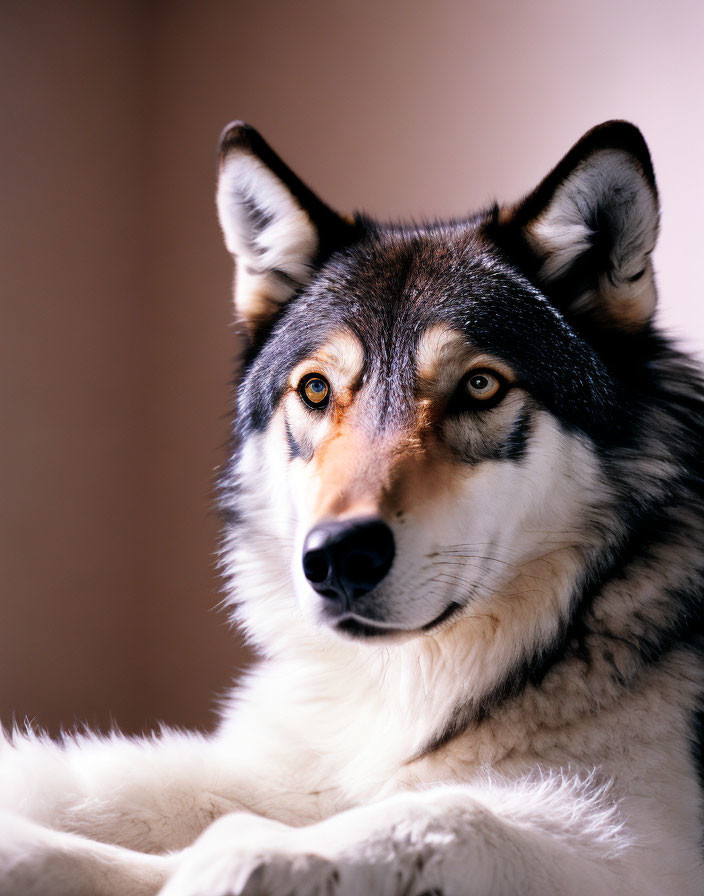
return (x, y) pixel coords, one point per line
(116, 336)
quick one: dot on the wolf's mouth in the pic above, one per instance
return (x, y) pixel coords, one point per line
(359, 628)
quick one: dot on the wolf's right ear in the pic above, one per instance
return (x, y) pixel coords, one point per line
(277, 230)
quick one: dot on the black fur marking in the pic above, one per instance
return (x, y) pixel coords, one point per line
(298, 448)
(257, 219)
(515, 446)
(294, 448)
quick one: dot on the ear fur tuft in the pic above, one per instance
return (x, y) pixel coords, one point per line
(274, 226)
(587, 232)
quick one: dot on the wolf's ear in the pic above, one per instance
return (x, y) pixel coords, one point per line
(586, 233)
(277, 230)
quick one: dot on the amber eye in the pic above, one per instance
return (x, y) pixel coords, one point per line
(314, 389)
(483, 385)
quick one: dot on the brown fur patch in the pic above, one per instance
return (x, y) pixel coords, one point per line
(353, 472)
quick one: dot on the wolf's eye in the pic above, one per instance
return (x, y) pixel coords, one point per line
(484, 385)
(314, 389)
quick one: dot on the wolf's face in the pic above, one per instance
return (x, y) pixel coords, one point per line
(427, 415)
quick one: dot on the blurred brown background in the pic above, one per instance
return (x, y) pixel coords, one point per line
(115, 338)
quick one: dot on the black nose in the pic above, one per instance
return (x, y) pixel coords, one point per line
(345, 559)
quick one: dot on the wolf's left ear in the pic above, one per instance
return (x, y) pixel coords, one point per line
(277, 230)
(586, 233)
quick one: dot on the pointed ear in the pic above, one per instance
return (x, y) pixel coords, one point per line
(586, 233)
(277, 230)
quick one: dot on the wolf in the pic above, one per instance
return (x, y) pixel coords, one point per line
(464, 529)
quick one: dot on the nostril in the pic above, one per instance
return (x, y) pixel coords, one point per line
(345, 559)
(359, 568)
(368, 557)
(316, 566)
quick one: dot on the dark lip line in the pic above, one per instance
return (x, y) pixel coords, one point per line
(449, 610)
(354, 626)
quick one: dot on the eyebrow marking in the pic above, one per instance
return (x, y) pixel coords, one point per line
(444, 356)
(440, 346)
(341, 358)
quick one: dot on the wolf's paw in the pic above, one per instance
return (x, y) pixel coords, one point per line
(244, 855)
(261, 873)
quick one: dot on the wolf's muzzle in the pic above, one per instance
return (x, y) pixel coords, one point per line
(345, 559)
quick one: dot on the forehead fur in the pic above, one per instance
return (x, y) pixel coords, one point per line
(396, 289)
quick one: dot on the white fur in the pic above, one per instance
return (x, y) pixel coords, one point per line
(405, 847)
(503, 834)
(287, 244)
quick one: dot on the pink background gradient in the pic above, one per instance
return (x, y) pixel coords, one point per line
(115, 331)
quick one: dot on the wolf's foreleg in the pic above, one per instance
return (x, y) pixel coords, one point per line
(458, 841)
(91, 815)
(147, 794)
(36, 861)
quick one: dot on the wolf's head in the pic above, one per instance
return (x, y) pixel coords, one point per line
(435, 421)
